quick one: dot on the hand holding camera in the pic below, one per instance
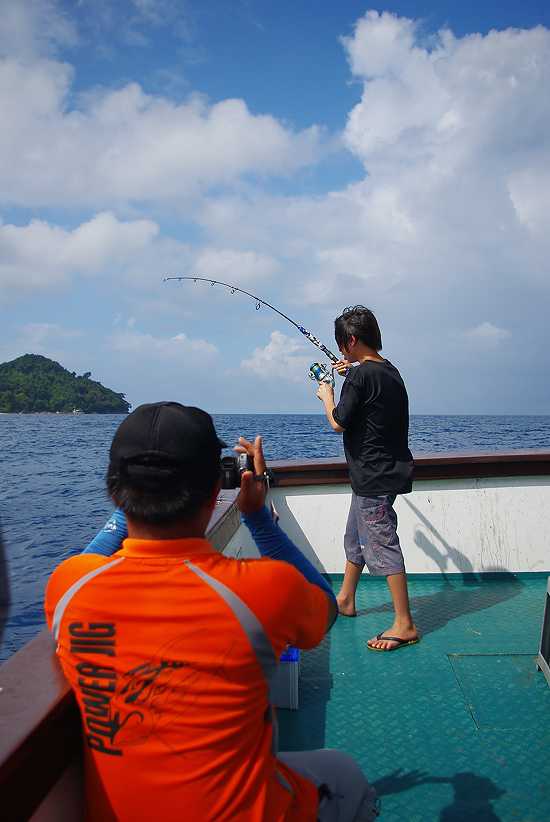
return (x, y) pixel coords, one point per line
(233, 466)
(253, 480)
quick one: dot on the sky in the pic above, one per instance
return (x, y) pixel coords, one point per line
(317, 154)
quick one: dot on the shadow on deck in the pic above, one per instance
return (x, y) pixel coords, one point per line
(455, 728)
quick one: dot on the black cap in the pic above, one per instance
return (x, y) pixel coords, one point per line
(161, 441)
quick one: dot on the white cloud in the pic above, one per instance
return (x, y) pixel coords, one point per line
(448, 223)
(144, 348)
(37, 334)
(281, 358)
(237, 267)
(45, 256)
(125, 146)
(468, 111)
(485, 335)
(529, 190)
(59, 343)
(34, 26)
(455, 141)
(402, 92)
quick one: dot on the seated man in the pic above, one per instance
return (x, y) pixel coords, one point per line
(171, 647)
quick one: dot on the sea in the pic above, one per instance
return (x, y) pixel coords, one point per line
(53, 502)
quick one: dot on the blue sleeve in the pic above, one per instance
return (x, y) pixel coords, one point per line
(109, 540)
(272, 542)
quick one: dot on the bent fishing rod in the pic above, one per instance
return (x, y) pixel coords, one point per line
(259, 302)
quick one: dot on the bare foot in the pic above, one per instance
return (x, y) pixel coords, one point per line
(346, 605)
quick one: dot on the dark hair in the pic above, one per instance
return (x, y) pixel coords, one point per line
(157, 501)
(358, 322)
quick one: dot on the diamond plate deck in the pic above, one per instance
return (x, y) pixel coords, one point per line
(455, 728)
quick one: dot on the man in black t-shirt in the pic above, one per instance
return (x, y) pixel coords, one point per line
(373, 415)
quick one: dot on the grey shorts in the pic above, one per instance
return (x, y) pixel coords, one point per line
(371, 535)
(345, 794)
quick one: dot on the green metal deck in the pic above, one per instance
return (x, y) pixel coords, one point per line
(455, 728)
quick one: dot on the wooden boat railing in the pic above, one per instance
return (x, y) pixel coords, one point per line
(40, 739)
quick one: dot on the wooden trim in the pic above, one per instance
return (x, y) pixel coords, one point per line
(474, 464)
(310, 472)
(445, 465)
(39, 727)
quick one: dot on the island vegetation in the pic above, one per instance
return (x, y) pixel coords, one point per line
(34, 384)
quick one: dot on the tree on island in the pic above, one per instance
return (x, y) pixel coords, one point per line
(34, 384)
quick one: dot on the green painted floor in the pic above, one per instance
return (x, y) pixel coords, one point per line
(455, 728)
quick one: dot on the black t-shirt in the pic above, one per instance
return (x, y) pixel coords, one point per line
(374, 410)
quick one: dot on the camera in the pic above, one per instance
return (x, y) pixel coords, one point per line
(232, 468)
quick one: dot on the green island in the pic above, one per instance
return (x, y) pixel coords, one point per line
(33, 384)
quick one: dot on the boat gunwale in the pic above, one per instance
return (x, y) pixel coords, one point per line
(42, 735)
(427, 466)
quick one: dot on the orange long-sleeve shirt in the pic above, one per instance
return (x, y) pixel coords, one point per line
(169, 647)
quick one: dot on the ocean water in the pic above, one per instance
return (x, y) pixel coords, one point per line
(52, 498)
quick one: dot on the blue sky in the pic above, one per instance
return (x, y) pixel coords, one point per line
(317, 154)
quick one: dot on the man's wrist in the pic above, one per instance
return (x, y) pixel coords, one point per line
(257, 517)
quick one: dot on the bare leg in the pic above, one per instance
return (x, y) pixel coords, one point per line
(403, 626)
(346, 596)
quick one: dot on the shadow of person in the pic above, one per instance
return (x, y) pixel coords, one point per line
(447, 556)
(454, 600)
(472, 799)
(398, 782)
(468, 594)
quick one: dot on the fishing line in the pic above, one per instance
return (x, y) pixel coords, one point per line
(259, 302)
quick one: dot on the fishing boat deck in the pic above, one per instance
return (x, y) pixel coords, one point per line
(454, 728)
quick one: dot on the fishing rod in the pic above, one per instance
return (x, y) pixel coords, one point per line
(259, 302)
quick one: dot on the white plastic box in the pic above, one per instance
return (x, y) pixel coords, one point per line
(284, 690)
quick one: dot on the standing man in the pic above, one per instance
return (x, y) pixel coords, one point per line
(170, 647)
(373, 415)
